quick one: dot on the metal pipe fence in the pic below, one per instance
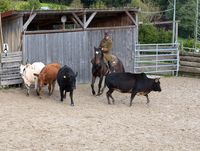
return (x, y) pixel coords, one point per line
(156, 58)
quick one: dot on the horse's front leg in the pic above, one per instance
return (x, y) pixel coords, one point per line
(100, 82)
(104, 86)
(92, 84)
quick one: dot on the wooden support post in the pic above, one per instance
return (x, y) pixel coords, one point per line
(176, 37)
(28, 21)
(74, 20)
(78, 19)
(1, 35)
(131, 17)
(89, 19)
(84, 19)
(137, 28)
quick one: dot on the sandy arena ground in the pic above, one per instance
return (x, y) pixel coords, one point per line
(171, 122)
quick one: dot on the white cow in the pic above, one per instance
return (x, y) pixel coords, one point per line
(27, 72)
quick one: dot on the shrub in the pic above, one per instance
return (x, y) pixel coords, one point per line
(150, 34)
(5, 5)
(32, 4)
(98, 4)
(189, 43)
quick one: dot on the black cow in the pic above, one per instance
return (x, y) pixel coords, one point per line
(66, 79)
(131, 83)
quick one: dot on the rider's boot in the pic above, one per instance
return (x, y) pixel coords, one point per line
(110, 66)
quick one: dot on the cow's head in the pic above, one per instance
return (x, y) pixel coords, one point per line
(156, 85)
(71, 79)
(23, 68)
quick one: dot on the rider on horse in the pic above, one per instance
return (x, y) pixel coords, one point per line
(106, 46)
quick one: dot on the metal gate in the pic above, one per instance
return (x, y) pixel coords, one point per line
(156, 58)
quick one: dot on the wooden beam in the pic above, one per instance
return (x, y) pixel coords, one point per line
(28, 21)
(131, 17)
(78, 19)
(84, 19)
(89, 19)
(183, 53)
(190, 59)
(77, 29)
(1, 36)
(190, 64)
(74, 20)
(189, 69)
(159, 23)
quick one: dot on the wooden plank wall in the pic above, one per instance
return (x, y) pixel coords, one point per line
(189, 63)
(12, 28)
(75, 49)
(9, 68)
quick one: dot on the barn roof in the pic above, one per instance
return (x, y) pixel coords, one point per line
(69, 11)
(39, 20)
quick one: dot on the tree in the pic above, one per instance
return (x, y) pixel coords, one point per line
(88, 3)
(185, 12)
(67, 2)
(116, 3)
(146, 6)
(76, 4)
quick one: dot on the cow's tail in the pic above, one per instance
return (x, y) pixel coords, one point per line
(36, 82)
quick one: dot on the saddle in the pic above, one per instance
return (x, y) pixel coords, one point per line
(114, 60)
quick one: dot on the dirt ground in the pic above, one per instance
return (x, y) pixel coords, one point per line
(171, 122)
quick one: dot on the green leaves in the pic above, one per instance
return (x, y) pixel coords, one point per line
(5, 5)
(32, 4)
(150, 34)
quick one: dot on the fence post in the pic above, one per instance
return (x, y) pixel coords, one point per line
(177, 68)
(135, 54)
(156, 58)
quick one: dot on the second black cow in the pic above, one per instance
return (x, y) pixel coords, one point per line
(66, 79)
(131, 83)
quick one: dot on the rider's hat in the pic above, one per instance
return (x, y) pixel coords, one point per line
(106, 33)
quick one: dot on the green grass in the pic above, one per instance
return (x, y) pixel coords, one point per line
(180, 39)
(16, 5)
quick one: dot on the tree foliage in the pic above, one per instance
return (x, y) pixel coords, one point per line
(66, 2)
(107, 3)
(5, 5)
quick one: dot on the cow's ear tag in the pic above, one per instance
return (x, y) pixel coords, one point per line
(64, 77)
(156, 80)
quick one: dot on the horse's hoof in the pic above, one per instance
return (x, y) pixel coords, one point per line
(93, 93)
(72, 104)
(99, 94)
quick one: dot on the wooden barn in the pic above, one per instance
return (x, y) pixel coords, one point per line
(69, 36)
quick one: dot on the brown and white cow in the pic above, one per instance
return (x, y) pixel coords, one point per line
(48, 76)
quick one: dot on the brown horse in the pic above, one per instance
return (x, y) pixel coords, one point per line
(101, 69)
